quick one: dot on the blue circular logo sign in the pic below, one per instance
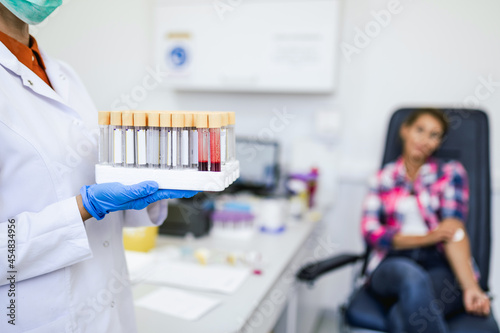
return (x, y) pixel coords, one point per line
(178, 56)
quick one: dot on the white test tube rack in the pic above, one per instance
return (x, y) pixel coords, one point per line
(184, 179)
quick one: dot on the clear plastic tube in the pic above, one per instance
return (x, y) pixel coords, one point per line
(231, 138)
(103, 144)
(223, 137)
(231, 144)
(176, 148)
(153, 147)
(185, 148)
(223, 145)
(117, 141)
(189, 125)
(193, 132)
(153, 141)
(165, 148)
(165, 140)
(104, 121)
(129, 133)
(129, 146)
(110, 145)
(177, 128)
(140, 134)
(141, 147)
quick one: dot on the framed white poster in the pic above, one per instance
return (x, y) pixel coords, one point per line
(280, 46)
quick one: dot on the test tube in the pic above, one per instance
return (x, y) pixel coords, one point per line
(165, 140)
(231, 139)
(189, 123)
(128, 128)
(214, 124)
(140, 139)
(203, 141)
(153, 139)
(186, 141)
(104, 121)
(117, 138)
(177, 127)
(223, 137)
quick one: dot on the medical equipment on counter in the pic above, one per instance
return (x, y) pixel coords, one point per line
(259, 167)
(273, 213)
(252, 259)
(232, 224)
(187, 217)
(309, 179)
(268, 214)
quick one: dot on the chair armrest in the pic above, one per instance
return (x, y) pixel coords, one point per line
(311, 272)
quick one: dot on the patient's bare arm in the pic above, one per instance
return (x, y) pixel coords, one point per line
(458, 255)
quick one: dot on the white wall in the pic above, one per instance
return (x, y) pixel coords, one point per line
(430, 53)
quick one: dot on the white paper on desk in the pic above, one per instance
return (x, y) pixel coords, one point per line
(223, 279)
(178, 303)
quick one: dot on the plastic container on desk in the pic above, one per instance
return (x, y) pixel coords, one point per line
(141, 239)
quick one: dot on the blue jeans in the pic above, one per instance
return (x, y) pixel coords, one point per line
(422, 287)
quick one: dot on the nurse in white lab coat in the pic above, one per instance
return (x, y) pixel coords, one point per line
(70, 275)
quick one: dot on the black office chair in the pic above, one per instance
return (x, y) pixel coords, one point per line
(468, 142)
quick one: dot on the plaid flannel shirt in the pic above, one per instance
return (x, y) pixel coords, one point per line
(441, 190)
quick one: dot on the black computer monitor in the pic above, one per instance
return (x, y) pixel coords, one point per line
(259, 165)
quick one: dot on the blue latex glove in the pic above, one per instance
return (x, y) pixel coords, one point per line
(101, 199)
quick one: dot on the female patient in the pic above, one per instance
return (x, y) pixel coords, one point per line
(414, 219)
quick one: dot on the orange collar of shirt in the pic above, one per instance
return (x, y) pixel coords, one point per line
(28, 56)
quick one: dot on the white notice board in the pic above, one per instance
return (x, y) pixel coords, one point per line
(249, 45)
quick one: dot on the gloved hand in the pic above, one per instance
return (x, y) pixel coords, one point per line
(101, 199)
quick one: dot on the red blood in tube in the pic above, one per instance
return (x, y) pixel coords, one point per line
(203, 137)
(215, 149)
(202, 166)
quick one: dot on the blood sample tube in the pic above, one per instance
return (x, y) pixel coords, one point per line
(140, 139)
(203, 141)
(165, 140)
(189, 123)
(128, 131)
(223, 137)
(153, 139)
(177, 127)
(214, 124)
(104, 121)
(231, 138)
(117, 138)
(186, 142)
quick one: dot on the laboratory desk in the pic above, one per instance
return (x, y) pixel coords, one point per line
(258, 304)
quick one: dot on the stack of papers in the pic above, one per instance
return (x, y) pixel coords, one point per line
(220, 278)
(177, 303)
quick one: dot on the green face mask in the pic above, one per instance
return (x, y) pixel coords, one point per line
(31, 12)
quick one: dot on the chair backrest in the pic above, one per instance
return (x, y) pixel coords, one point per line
(468, 142)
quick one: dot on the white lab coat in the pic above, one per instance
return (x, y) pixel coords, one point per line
(71, 276)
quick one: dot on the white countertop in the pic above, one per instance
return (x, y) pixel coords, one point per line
(236, 309)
